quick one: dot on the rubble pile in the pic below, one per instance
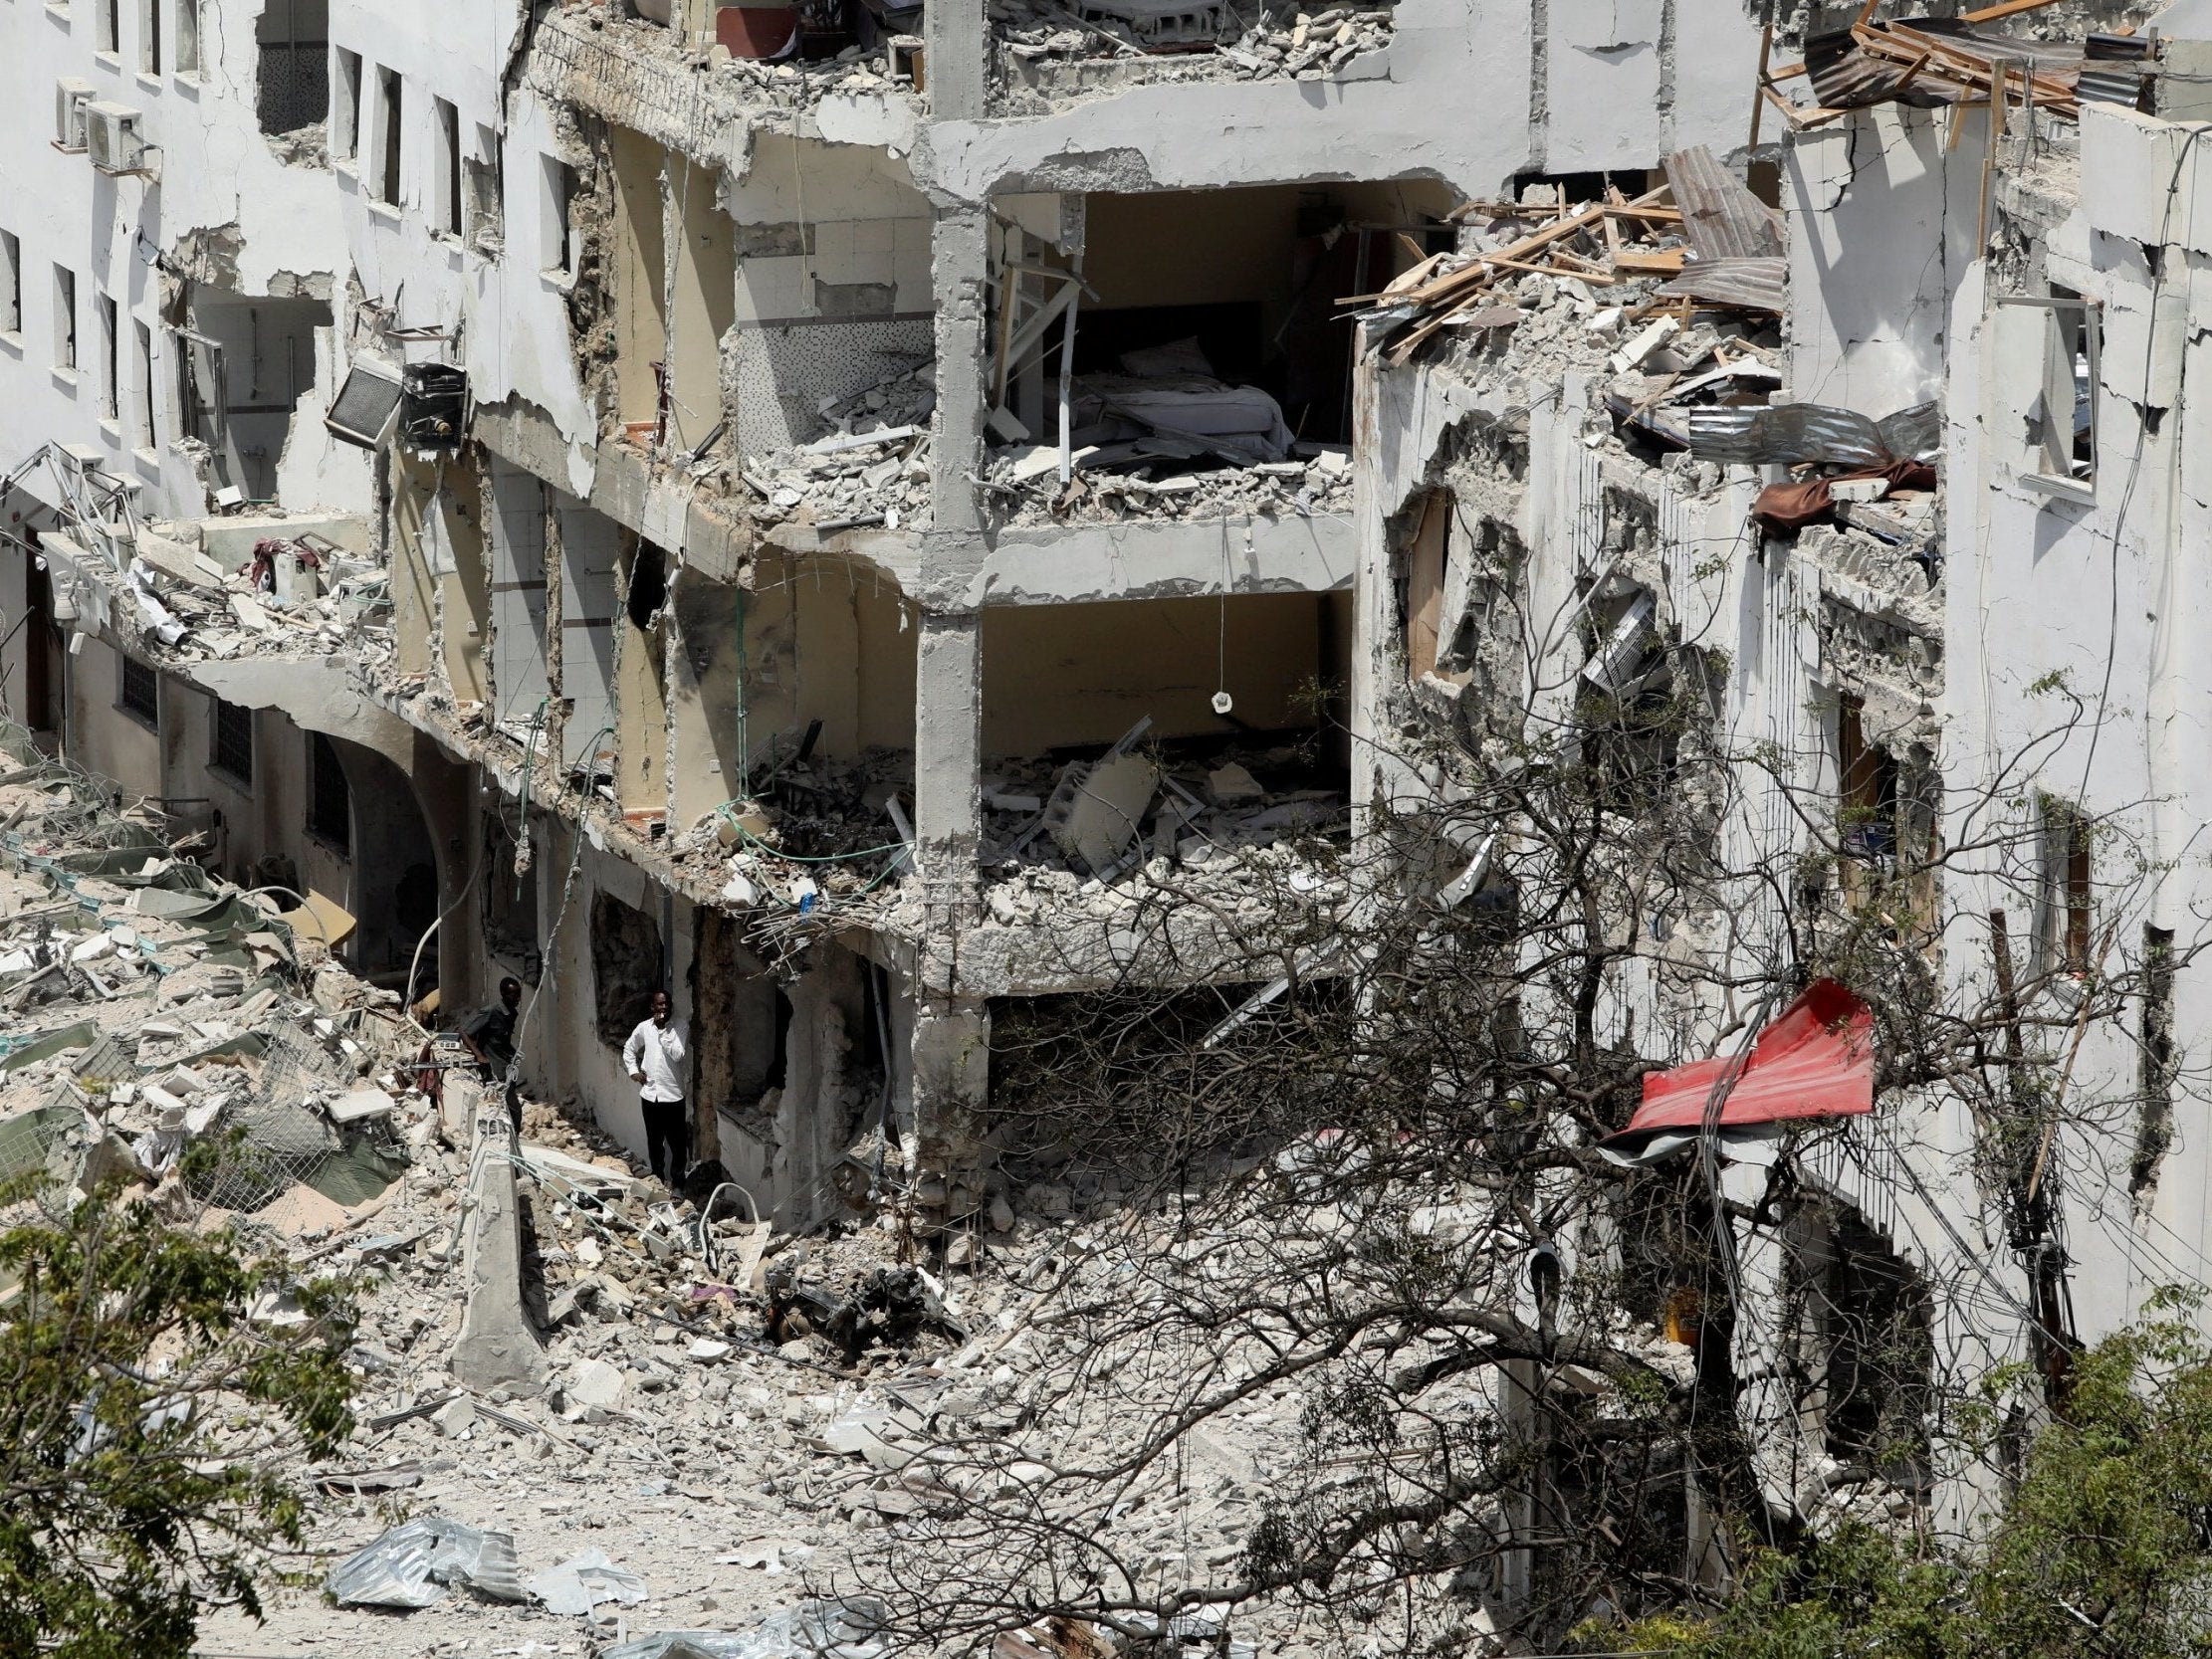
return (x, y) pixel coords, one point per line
(1682, 323)
(1044, 48)
(737, 1421)
(1024, 487)
(803, 82)
(1712, 243)
(295, 595)
(814, 826)
(149, 1008)
(1103, 818)
(871, 468)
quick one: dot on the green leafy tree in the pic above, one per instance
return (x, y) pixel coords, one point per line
(2101, 1547)
(149, 1411)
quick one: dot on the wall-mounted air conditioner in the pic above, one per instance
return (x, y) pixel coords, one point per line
(111, 134)
(368, 406)
(71, 94)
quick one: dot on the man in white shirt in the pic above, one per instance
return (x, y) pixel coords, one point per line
(654, 1058)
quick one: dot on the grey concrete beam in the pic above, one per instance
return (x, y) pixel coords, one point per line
(1165, 559)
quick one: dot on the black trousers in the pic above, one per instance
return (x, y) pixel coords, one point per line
(667, 1125)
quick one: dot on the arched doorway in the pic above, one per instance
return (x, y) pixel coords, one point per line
(395, 866)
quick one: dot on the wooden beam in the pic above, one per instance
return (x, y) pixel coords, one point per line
(2009, 8)
(1766, 58)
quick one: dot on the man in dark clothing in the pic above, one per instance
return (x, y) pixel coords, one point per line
(489, 1035)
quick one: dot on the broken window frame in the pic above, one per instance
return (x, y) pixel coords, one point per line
(2072, 472)
(1421, 602)
(148, 433)
(1853, 1406)
(392, 125)
(558, 186)
(484, 194)
(1868, 794)
(110, 317)
(446, 186)
(64, 320)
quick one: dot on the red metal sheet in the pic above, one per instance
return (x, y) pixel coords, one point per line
(1816, 1060)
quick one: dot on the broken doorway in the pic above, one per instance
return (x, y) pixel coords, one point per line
(246, 364)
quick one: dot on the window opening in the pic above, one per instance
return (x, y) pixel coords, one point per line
(234, 741)
(330, 794)
(392, 100)
(345, 141)
(141, 691)
(64, 318)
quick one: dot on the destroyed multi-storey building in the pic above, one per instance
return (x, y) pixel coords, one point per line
(597, 494)
(878, 519)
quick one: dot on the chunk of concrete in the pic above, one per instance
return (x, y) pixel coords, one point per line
(1105, 810)
(1231, 785)
(594, 1386)
(498, 1346)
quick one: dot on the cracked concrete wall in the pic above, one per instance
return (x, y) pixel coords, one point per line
(1882, 221)
(1060, 675)
(1568, 85)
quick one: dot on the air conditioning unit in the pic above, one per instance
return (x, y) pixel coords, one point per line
(71, 94)
(368, 406)
(111, 134)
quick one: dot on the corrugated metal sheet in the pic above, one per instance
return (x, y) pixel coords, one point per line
(2121, 83)
(1721, 217)
(1787, 434)
(1914, 434)
(1845, 76)
(1756, 283)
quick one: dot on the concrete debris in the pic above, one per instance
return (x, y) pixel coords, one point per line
(227, 588)
(150, 1006)
(1050, 52)
(1195, 804)
(1618, 247)
(1164, 438)
(870, 468)
(840, 1629)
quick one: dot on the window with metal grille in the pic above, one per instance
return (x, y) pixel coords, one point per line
(234, 741)
(140, 692)
(330, 796)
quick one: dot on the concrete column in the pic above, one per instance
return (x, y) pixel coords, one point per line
(951, 1042)
(952, 1075)
(498, 1348)
(960, 247)
(953, 34)
(948, 753)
